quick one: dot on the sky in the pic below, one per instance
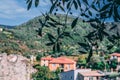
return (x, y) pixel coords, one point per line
(14, 12)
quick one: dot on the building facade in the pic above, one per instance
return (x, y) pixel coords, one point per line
(63, 63)
(116, 56)
(81, 74)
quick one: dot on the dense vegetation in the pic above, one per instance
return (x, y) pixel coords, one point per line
(25, 39)
(101, 37)
(96, 12)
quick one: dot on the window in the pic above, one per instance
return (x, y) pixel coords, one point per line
(61, 65)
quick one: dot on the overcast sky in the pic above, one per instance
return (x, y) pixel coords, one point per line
(14, 12)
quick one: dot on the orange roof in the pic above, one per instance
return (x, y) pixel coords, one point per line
(47, 58)
(91, 73)
(62, 60)
(115, 54)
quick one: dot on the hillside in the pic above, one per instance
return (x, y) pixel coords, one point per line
(6, 26)
(24, 39)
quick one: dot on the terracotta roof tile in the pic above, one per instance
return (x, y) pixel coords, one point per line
(115, 54)
(62, 60)
(47, 58)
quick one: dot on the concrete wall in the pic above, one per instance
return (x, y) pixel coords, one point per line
(15, 67)
(44, 62)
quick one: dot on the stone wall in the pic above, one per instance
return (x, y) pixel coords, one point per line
(15, 67)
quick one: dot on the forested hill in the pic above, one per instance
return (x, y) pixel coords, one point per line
(6, 26)
(24, 39)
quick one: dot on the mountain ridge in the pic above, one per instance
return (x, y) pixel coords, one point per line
(6, 26)
(24, 38)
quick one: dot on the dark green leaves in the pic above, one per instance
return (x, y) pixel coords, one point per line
(75, 4)
(61, 7)
(116, 14)
(79, 3)
(51, 37)
(36, 3)
(40, 21)
(90, 55)
(54, 42)
(68, 5)
(67, 34)
(113, 27)
(58, 31)
(56, 47)
(82, 51)
(90, 13)
(40, 31)
(94, 25)
(85, 1)
(85, 46)
(29, 4)
(74, 23)
(50, 44)
(53, 6)
(109, 47)
(105, 7)
(93, 6)
(51, 24)
(27, 1)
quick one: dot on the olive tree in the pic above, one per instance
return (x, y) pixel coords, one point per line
(96, 12)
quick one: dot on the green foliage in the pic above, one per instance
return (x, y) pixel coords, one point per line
(97, 63)
(27, 54)
(98, 66)
(61, 28)
(81, 62)
(38, 57)
(113, 64)
(26, 35)
(101, 9)
(43, 73)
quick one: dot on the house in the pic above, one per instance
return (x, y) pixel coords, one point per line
(81, 74)
(90, 75)
(72, 74)
(63, 63)
(116, 56)
(45, 61)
